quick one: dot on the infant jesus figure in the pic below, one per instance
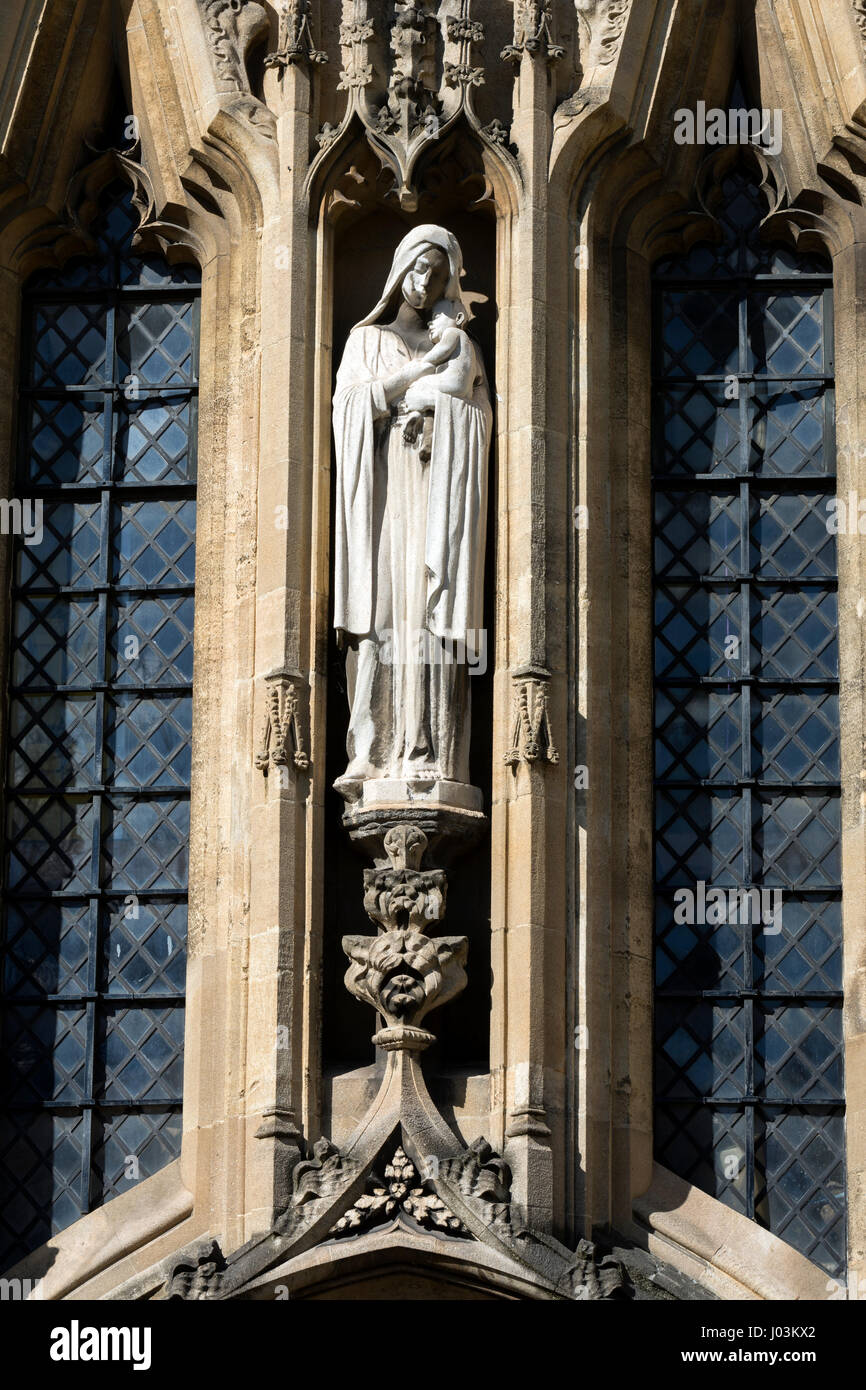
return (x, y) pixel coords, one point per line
(450, 367)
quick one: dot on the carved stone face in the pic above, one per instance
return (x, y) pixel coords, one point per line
(401, 965)
(425, 283)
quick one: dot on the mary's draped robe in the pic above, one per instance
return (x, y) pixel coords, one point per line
(409, 566)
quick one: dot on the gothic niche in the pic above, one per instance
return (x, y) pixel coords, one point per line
(410, 679)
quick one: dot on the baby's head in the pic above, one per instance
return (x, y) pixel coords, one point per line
(447, 313)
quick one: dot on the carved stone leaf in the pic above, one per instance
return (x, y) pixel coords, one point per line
(399, 1192)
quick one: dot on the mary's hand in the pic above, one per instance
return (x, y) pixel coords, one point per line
(420, 396)
(395, 386)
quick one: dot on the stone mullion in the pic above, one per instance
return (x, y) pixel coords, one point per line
(533, 932)
(850, 306)
(275, 1041)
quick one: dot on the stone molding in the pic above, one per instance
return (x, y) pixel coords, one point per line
(731, 1255)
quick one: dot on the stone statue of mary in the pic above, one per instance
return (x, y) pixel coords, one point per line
(411, 513)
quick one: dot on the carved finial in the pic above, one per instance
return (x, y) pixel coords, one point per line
(296, 43)
(464, 32)
(533, 32)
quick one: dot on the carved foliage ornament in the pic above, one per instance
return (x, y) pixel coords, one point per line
(533, 32)
(860, 16)
(403, 973)
(532, 737)
(232, 27)
(402, 1191)
(601, 24)
(296, 42)
(282, 743)
(409, 79)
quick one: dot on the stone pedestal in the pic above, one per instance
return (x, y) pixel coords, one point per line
(450, 814)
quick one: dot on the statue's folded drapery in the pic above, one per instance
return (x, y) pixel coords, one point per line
(409, 561)
(455, 481)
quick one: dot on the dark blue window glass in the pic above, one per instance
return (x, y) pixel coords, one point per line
(99, 726)
(748, 938)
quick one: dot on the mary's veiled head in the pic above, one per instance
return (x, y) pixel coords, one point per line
(437, 277)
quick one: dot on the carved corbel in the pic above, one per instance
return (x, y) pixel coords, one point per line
(532, 737)
(296, 42)
(282, 743)
(533, 33)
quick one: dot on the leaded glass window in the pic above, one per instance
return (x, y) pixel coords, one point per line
(99, 724)
(748, 1018)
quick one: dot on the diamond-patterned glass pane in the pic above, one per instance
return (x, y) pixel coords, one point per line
(706, 1147)
(55, 642)
(701, 1050)
(145, 946)
(148, 741)
(155, 442)
(748, 937)
(698, 429)
(798, 1052)
(146, 844)
(790, 536)
(41, 1160)
(140, 1053)
(47, 947)
(156, 343)
(97, 804)
(69, 345)
(802, 1197)
(68, 552)
(50, 843)
(796, 840)
(45, 1051)
(794, 634)
(795, 735)
(697, 533)
(698, 631)
(698, 734)
(699, 333)
(52, 742)
(787, 429)
(132, 1147)
(699, 837)
(696, 955)
(807, 953)
(154, 543)
(65, 441)
(150, 642)
(786, 333)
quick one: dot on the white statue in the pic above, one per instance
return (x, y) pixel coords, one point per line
(412, 423)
